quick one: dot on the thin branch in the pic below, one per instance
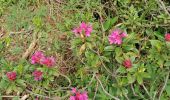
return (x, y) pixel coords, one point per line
(146, 90)
(39, 95)
(126, 97)
(96, 89)
(105, 90)
(163, 88)
(9, 96)
(133, 90)
(94, 74)
(162, 6)
(103, 63)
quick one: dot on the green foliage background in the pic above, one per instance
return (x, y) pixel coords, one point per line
(93, 64)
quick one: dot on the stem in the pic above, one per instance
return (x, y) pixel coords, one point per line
(163, 88)
(133, 90)
(105, 90)
(146, 90)
(97, 85)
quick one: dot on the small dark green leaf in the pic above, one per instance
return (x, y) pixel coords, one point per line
(109, 23)
(139, 79)
(168, 90)
(105, 58)
(109, 48)
(167, 63)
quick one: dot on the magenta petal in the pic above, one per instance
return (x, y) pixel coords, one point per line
(83, 25)
(124, 34)
(73, 90)
(87, 34)
(116, 37)
(72, 98)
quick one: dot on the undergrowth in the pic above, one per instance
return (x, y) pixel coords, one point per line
(109, 49)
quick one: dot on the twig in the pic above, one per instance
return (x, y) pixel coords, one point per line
(9, 96)
(30, 30)
(165, 83)
(39, 95)
(154, 95)
(103, 63)
(96, 89)
(133, 90)
(126, 97)
(146, 90)
(66, 78)
(24, 97)
(105, 90)
(162, 5)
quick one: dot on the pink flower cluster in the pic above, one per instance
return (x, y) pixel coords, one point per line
(37, 75)
(86, 28)
(116, 37)
(167, 37)
(39, 58)
(127, 63)
(78, 95)
(11, 75)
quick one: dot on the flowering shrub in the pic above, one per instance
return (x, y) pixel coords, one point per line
(83, 28)
(85, 50)
(116, 37)
(36, 57)
(77, 95)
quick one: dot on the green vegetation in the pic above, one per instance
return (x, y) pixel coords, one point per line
(135, 69)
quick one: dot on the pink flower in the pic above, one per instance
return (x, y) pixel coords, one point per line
(36, 57)
(37, 75)
(78, 95)
(11, 75)
(116, 37)
(127, 63)
(167, 37)
(72, 98)
(86, 28)
(48, 61)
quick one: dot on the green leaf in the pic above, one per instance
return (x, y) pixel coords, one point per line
(168, 89)
(109, 48)
(118, 51)
(145, 75)
(3, 84)
(37, 21)
(121, 69)
(105, 58)
(130, 78)
(139, 79)
(16, 98)
(109, 23)
(19, 69)
(167, 63)
(21, 82)
(157, 44)
(159, 35)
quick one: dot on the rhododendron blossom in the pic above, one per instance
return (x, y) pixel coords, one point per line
(36, 57)
(86, 28)
(77, 95)
(37, 75)
(116, 37)
(11, 75)
(167, 37)
(127, 63)
(48, 61)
